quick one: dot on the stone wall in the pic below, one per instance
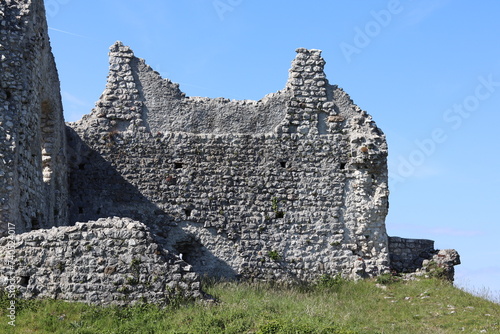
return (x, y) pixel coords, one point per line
(289, 187)
(33, 168)
(407, 255)
(302, 195)
(418, 256)
(109, 261)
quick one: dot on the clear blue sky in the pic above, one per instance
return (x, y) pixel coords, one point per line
(427, 71)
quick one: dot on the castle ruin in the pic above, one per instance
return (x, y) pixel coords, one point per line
(154, 189)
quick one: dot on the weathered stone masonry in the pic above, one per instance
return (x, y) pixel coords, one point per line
(33, 168)
(309, 185)
(417, 257)
(286, 188)
(109, 261)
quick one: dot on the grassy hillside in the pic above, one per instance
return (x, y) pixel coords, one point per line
(331, 306)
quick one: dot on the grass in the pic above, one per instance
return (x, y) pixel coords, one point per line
(333, 305)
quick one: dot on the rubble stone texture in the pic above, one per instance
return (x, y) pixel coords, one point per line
(109, 261)
(33, 168)
(300, 174)
(418, 256)
(287, 188)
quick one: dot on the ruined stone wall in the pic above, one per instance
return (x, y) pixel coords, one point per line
(109, 261)
(285, 188)
(418, 257)
(33, 168)
(302, 193)
(407, 255)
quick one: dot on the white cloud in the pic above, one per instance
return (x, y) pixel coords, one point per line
(66, 32)
(455, 232)
(421, 10)
(74, 107)
(427, 171)
(482, 282)
(70, 98)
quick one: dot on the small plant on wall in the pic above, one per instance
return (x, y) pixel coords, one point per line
(275, 208)
(274, 255)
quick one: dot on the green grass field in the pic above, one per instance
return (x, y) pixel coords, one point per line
(330, 306)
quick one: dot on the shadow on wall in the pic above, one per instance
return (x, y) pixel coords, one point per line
(97, 190)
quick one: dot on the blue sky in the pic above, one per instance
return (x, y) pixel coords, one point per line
(427, 71)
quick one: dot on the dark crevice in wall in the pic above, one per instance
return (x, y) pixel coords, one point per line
(35, 224)
(24, 281)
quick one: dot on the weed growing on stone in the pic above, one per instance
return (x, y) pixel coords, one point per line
(274, 255)
(135, 265)
(275, 208)
(436, 271)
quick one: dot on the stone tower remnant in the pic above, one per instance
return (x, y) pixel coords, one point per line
(33, 167)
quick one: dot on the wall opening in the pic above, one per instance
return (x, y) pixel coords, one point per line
(35, 224)
(47, 123)
(188, 212)
(190, 250)
(24, 281)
